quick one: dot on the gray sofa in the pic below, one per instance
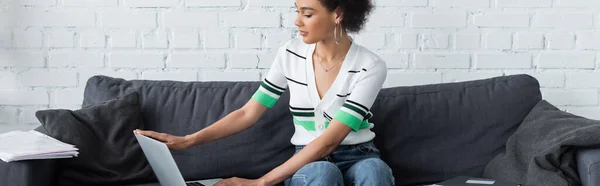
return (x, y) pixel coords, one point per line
(426, 133)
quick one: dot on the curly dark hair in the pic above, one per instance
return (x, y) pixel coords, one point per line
(355, 12)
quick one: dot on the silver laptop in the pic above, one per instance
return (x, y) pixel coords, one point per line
(163, 164)
(471, 181)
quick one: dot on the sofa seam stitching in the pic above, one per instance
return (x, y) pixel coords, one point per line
(590, 171)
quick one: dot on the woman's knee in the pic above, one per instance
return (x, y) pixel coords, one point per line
(317, 173)
(374, 171)
(374, 164)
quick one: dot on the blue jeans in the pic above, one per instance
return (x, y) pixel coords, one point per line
(348, 165)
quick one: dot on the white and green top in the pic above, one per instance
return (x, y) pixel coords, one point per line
(348, 100)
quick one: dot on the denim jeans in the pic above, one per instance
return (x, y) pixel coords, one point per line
(348, 165)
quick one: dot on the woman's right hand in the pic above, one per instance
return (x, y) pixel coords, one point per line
(173, 142)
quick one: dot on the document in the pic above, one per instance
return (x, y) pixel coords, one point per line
(26, 145)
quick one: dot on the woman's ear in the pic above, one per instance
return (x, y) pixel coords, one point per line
(339, 15)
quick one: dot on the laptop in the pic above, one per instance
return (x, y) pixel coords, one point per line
(471, 181)
(163, 164)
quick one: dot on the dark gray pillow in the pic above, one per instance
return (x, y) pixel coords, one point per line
(108, 152)
(543, 149)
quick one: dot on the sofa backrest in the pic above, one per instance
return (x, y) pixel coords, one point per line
(426, 133)
(181, 108)
(435, 132)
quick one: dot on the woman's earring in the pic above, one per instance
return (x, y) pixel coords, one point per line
(335, 34)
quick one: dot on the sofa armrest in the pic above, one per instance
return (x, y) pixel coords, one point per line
(27, 172)
(588, 164)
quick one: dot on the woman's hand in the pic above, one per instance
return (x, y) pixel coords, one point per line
(173, 142)
(240, 182)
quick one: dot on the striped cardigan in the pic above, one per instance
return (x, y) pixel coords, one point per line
(348, 100)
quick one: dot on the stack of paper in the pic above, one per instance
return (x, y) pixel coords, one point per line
(26, 145)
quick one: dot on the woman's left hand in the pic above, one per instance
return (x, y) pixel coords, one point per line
(235, 181)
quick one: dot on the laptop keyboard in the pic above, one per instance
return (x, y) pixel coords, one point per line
(194, 184)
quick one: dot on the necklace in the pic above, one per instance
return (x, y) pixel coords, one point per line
(326, 70)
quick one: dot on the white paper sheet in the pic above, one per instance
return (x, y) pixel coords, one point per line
(21, 145)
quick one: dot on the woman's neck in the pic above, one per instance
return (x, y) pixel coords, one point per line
(330, 52)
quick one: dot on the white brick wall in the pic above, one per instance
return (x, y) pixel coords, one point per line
(501, 20)
(212, 3)
(90, 3)
(564, 20)
(439, 20)
(505, 61)
(249, 19)
(49, 48)
(461, 3)
(521, 3)
(48, 78)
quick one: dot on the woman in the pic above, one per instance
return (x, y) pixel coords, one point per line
(332, 82)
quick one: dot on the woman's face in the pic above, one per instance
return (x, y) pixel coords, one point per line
(314, 21)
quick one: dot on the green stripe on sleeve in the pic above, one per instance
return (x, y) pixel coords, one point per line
(271, 89)
(303, 114)
(348, 119)
(264, 99)
(363, 125)
(308, 125)
(357, 110)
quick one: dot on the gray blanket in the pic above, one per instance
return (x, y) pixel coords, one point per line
(542, 150)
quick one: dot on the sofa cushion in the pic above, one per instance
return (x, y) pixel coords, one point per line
(181, 108)
(108, 151)
(430, 133)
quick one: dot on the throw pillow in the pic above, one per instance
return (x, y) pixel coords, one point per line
(543, 150)
(108, 151)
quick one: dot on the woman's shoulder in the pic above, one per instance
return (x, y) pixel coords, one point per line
(291, 52)
(369, 58)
